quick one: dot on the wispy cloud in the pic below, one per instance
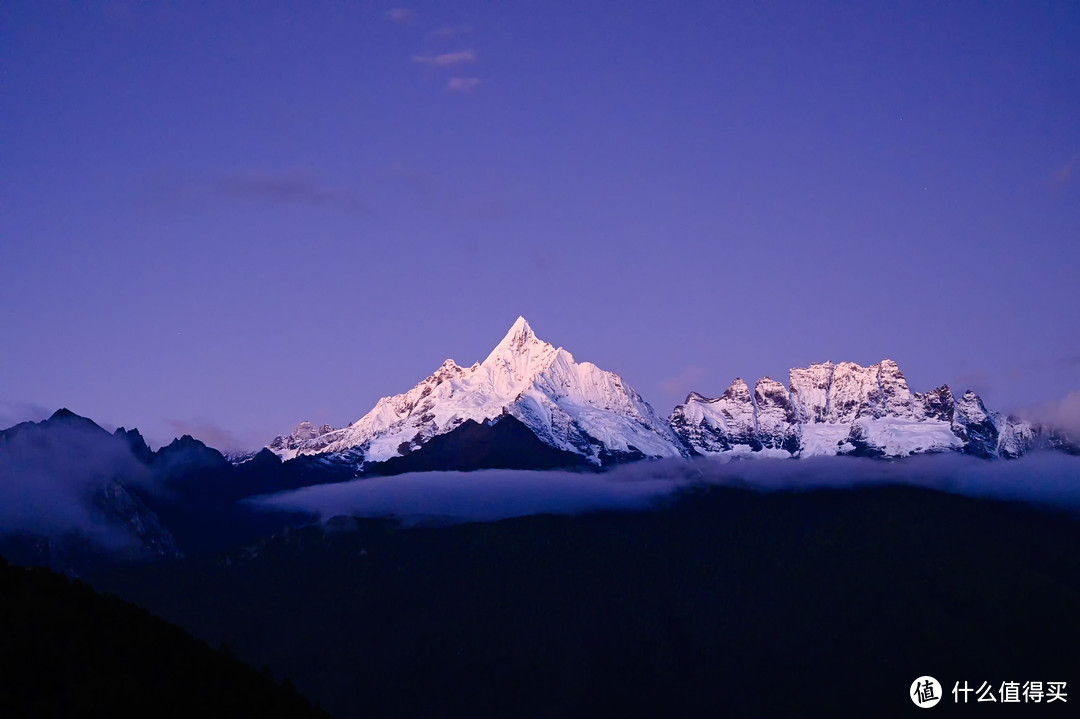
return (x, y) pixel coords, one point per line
(1042, 478)
(684, 381)
(462, 84)
(53, 477)
(1061, 414)
(210, 434)
(446, 59)
(1064, 174)
(284, 188)
(975, 380)
(421, 183)
(444, 198)
(399, 15)
(451, 31)
(1070, 360)
(12, 413)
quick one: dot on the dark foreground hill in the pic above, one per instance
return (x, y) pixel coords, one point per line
(724, 603)
(67, 651)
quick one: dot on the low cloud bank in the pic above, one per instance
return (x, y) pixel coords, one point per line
(51, 479)
(1062, 414)
(1042, 478)
(12, 413)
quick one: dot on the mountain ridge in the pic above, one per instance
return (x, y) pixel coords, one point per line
(571, 406)
(528, 405)
(826, 408)
(845, 408)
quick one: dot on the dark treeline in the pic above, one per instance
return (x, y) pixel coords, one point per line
(67, 651)
(724, 602)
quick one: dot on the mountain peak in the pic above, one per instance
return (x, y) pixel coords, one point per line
(737, 389)
(66, 417)
(572, 407)
(520, 332)
(518, 341)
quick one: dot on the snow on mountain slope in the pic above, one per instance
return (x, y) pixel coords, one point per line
(571, 406)
(1015, 437)
(810, 391)
(826, 409)
(721, 424)
(898, 437)
(286, 446)
(777, 419)
(848, 409)
(972, 422)
(822, 438)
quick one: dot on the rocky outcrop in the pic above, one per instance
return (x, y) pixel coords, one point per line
(846, 408)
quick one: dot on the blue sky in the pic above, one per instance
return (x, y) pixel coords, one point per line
(224, 218)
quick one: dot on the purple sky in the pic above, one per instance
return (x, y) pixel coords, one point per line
(223, 218)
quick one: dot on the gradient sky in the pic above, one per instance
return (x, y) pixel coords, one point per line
(224, 218)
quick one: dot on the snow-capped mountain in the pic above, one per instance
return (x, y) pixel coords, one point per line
(588, 413)
(570, 406)
(286, 446)
(846, 409)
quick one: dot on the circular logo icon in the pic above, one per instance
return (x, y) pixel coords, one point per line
(925, 692)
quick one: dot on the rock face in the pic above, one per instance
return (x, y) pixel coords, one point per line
(286, 446)
(739, 422)
(718, 425)
(809, 388)
(80, 489)
(777, 420)
(846, 409)
(123, 508)
(570, 406)
(938, 404)
(577, 408)
(1015, 437)
(975, 426)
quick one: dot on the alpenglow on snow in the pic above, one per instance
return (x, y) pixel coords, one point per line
(571, 406)
(825, 409)
(845, 408)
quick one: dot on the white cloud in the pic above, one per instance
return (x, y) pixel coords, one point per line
(1064, 174)
(1061, 414)
(399, 15)
(447, 59)
(462, 84)
(1046, 478)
